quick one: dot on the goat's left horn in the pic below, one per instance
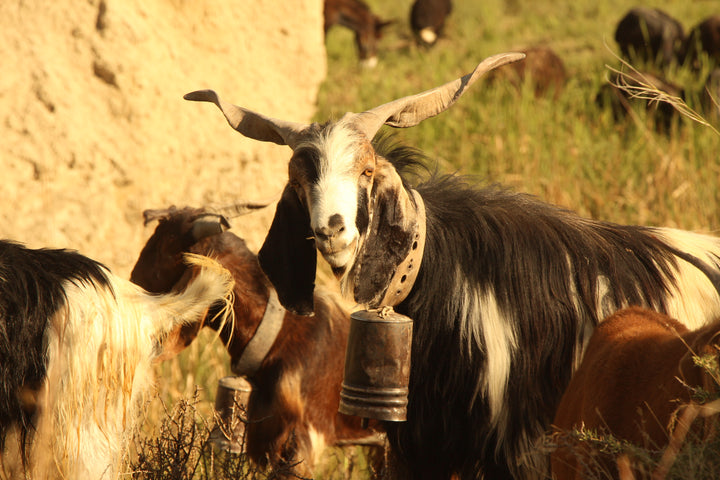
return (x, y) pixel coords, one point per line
(251, 124)
(411, 110)
(207, 225)
(244, 208)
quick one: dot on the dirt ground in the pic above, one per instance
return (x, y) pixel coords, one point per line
(94, 129)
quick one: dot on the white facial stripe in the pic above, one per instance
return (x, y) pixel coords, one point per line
(333, 198)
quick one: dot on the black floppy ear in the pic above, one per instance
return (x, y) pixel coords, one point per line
(389, 239)
(288, 257)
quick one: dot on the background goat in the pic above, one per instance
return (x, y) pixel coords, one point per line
(357, 16)
(637, 371)
(293, 406)
(76, 345)
(650, 35)
(507, 294)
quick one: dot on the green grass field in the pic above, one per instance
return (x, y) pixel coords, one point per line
(565, 150)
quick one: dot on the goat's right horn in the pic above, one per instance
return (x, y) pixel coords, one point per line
(150, 215)
(411, 110)
(251, 124)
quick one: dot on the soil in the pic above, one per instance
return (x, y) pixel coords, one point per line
(94, 129)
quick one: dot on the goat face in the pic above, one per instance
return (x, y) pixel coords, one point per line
(341, 197)
(161, 263)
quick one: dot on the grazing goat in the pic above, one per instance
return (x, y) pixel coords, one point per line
(507, 288)
(357, 16)
(295, 365)
(427, 19)
(650, 35)
(76, 346)
(624, 92)
(703, 37)
(637, 371)
(711, 95)
(541, 66)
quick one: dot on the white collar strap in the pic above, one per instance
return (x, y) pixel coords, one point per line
(404, 277)
(259, 345)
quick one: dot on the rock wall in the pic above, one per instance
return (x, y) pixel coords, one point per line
(94, 129)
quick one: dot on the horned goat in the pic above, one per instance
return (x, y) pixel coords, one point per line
(504, 289)
(295, 365)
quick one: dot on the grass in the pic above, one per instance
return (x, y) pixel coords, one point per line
(565, 150)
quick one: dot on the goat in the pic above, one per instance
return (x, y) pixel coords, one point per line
(427, 19)
(637, 369)
(541, 66)
(650, 35)
(357, 16)
(703, 37)
(76, 348)
(623, 93)
(507, 289)
(295, 367)
(710, 95)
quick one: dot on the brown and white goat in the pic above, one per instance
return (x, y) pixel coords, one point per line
(296, 380)
(504, 290)
(76, 348)
(637, 376)
(357, 16)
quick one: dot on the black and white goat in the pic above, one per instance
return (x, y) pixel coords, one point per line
(508, 290)
(76, 349)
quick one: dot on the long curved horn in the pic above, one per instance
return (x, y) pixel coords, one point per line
(411, 110)
(243, 208)
(207, 225)
(251, 124)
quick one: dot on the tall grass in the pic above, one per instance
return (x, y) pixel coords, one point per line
(565, 150)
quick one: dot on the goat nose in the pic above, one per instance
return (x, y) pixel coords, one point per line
(335, 226)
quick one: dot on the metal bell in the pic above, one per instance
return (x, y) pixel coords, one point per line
(377, 366)
(231, 401)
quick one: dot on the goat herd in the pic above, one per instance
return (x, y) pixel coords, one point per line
(507, 296)
(647, 36)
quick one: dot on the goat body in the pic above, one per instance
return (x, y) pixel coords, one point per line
(76, 347)
(637, 371)
(427, 19)
(357, 16)
(293, 406)
(542, 66)
(508, 292)
(703, 37)
(650, 34)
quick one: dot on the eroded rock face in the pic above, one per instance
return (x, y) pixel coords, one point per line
(94, 128)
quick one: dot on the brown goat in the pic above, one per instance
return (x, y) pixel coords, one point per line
(637, 371)
(541, 66)
(357, 16)
(293, 408)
